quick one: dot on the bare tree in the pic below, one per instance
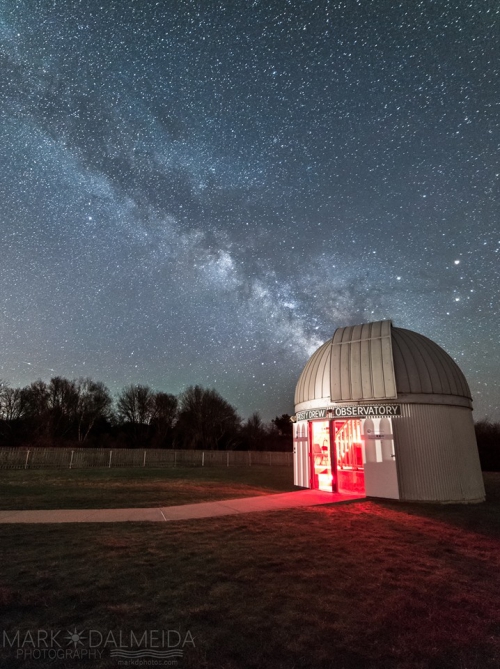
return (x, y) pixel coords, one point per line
(11, 410)
(164, 416)
(94, 403)
(62, 396)
(63, 404)
(206, 420)
(36, 399)
(63, 408)
(11, 403)
(254, 432)
(136, 405)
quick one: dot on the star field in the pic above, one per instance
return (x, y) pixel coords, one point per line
(201, 192)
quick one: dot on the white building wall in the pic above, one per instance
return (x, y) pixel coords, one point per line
(436, 454)
(301, 459)
(381, 477)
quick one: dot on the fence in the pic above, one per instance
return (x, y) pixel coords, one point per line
(79, 458)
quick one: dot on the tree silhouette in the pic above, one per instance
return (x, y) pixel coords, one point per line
(94, 403)
(164, 418)
(62, 405)
(11, 403)
(283, 424)
(254, 433)
(135, 405)
(206, 420)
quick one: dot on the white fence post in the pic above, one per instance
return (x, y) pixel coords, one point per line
(203, 459)
(110, 456)
(26, 462)
(71, 460)
(144, 461)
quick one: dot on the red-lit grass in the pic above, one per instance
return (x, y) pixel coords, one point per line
(363, 585)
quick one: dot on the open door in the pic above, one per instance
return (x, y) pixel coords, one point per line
(322, 472)
(350, 458)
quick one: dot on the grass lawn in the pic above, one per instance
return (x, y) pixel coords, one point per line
(140, 487)
(364, 585)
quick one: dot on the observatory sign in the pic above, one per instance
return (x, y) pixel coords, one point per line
(350, 411)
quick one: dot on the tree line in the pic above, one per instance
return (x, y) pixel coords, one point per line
(83, 412)
(488, 444)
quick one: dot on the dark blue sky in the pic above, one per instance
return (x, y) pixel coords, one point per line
(201, 192)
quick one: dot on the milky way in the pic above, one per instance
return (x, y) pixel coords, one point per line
(201, 192)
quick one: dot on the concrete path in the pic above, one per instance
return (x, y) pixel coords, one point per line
(287, 500)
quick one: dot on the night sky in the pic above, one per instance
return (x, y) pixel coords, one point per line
(201, 192)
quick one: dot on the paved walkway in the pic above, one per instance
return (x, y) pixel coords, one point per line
(225, 507)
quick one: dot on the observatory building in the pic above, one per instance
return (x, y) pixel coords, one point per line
(385, 412)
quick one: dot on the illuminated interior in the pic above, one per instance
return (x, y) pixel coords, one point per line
(321, 456)
(341, 470)
(350, 456)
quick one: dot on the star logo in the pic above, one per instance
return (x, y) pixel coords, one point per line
(75, 638)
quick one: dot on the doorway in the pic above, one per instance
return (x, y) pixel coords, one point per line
(337, 456)
(321, 455)
(350, 459)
